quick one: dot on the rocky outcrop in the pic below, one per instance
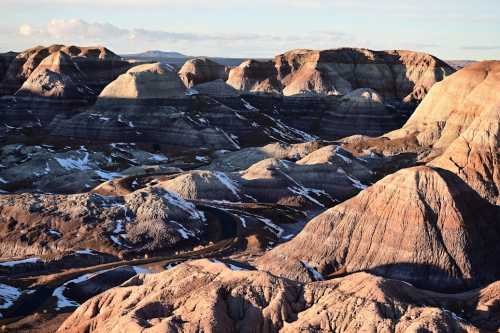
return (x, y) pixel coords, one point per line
(450, 108)
(445, 114)
(244, 158)
(203, 185)
(360, 111)
(400, 75)
(99, 65)
(330, 117)
(57, 76)
(142, 221)
(420, 225)
(428, 225)
(475, 155)
(312, 181)
(212, 297)
(22, 66)
(45, 168)
(201, 70)
(148, 81)
(254, 76)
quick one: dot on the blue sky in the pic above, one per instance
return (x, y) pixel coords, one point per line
(258, 28)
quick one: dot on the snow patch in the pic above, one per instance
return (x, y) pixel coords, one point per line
(356, 183)
(8, 295)
(339, 152)
(315, 274)
(249, 106)
(183, 231)
(86, 251)
(63, 301)
(227, 182)
(140, 270)
(176, 200)
(107, 175)
(20, 262)
(70, 163)
(191, 92)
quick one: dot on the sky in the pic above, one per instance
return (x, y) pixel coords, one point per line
(449, 29)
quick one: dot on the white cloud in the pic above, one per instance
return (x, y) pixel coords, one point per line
(26, 30)
(236, 44)
(82, 30)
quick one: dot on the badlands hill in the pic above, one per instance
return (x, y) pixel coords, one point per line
(100, 65)
(455, 203)
(145, 81)
(201, 70)
(455, 128)
(214, 297)
(321, 210)
(402, 75)
(57, 76)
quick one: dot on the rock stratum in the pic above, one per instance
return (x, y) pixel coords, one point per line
(100, 65)
(401, 75)
(201, 70)
(455, 203)
(212, 297)
(342, 190)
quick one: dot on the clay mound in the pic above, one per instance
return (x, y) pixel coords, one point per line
(445, 114)
(57, 76)
(148, 81)
(201, 70)
(145, 220)
(419, 225)
(99, 65)
(363, 98)
(203, 185)
(21, 68)
(336, 156)
(452, 105)
(475, 156)
(254, 76)
(280, 181)
(217, 88)
(204, 296)
(244, 158)
(402, 75)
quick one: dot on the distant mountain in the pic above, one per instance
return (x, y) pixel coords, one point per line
(157, 54)
(459, 64)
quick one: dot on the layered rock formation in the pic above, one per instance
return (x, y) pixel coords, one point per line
(454, 128)
(475, 157)
(449, 207)
(397, 75)
(244, 158)
(212, 297)
(57, 76)
(99, 64)
(448, 110)
(312, 181)
(360, 111)
(37, 168)
(201, 70)
(148, 81)
(145, 220)
(255, 77)
(419, 225)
